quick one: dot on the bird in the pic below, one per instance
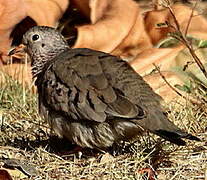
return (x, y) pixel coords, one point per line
(92, 98)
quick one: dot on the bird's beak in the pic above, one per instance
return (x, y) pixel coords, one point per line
(17, 50)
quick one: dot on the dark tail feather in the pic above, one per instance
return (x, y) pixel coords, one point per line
(191, 137)
(176, 137)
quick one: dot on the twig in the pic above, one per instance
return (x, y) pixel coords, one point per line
(183, 39)
(163, 77)
(191, 99)
(190, 18)
(175, 19)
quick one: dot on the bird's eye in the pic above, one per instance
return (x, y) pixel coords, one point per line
(35, 37)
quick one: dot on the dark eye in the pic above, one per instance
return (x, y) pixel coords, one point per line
(35, 37)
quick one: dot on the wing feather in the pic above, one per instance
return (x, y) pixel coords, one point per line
(78, 87)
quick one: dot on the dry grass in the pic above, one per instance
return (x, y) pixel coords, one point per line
(25, 136)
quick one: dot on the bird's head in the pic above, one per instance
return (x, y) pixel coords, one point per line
(42, 44)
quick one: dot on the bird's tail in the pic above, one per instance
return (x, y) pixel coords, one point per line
(176, 136)
(158, 123)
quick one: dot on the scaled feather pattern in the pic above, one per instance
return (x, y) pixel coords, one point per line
(93, 98)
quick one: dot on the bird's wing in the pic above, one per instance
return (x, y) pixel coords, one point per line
(76, 85)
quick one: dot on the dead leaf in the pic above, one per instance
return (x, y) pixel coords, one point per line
(4, 175)
(182, 13)
(149, 171)
(162, 57)
(113, 29)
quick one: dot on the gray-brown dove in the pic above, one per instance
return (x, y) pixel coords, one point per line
(93, 98)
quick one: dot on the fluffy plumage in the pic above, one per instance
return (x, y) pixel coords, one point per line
(93, 98)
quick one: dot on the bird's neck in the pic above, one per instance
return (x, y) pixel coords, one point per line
(39, 61)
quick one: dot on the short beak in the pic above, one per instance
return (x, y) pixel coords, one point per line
(17, 50)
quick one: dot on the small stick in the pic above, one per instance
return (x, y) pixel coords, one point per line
(190, 18)
(163, 77)
(185, 41)
(191, 99)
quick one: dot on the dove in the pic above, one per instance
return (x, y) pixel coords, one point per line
(92, 98)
